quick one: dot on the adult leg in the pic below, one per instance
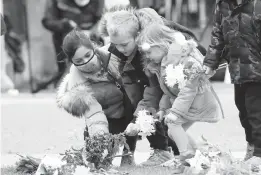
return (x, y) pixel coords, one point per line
(253, 107)
(240, 101)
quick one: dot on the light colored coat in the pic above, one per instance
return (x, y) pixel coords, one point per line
(196, 100)
(95, 98)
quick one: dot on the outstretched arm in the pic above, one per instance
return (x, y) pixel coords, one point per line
(214, 53)
(80, 102)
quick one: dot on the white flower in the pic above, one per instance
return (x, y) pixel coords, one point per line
(179, 38)
(145, 47)
(105, 153)
(82, 170)
(52, 162)
(145, 123)
(197, 161)
(213, 153)
(175, 75)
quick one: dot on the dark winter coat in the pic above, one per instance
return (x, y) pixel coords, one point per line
(143, 91)
(236, 37)
(59, 12)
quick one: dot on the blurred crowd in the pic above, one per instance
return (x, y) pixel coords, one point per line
(61, 16)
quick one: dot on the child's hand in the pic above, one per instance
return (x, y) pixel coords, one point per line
(160, 115)
(132, 129)
(148, 73)
(72, 23)
(209, 71)
(170, 118)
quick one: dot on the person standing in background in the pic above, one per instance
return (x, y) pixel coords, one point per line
(61, 16)
(3, 26)
(236, 37)
(7, 85)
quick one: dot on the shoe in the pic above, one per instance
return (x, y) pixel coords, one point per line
(127, 160)
(249, 151)
(158, 157)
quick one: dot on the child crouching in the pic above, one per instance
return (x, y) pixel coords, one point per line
(188, 94)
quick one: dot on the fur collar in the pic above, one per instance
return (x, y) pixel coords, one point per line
(76, 100)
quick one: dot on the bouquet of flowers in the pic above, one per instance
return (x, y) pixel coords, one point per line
(175, 75)
(146, 123)
(180, 74)
(101, 149)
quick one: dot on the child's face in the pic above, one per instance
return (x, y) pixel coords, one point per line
(124, 42)
(155, 54)
(86, 60)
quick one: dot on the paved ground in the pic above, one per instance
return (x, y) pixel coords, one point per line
(34, 125)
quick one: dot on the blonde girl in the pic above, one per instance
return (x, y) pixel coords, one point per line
(188, 95)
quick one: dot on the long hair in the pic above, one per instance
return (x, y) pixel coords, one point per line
(157, 35)
(162, 36)
(147, 16)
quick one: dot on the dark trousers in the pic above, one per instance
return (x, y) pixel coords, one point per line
(117, 126)
(248, 102)
(160, 139)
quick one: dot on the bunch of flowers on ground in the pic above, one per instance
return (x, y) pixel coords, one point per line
(211, 160)
(101, 149)
(95, 158)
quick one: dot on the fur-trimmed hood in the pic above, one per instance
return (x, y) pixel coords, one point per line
(75, 100)
(80, 95)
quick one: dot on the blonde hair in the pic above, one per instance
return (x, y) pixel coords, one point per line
(147, 16)
(163, 36)
(119, 19)
(157, 35)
